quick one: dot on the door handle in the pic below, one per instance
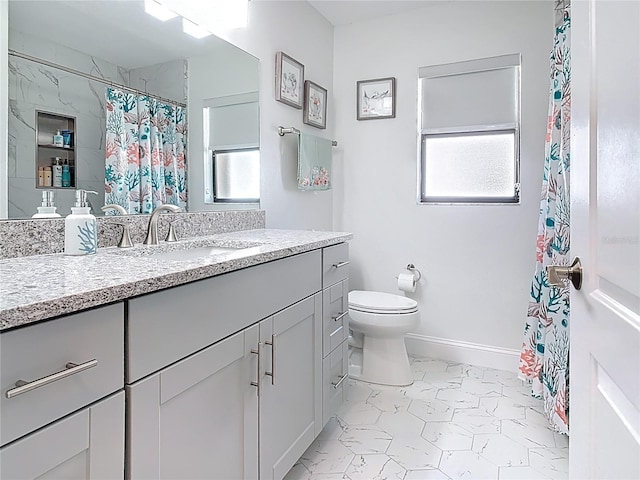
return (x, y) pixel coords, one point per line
(556, 274)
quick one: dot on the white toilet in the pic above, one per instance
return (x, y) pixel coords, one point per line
(378, 322)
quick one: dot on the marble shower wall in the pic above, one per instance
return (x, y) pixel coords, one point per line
(36, 87)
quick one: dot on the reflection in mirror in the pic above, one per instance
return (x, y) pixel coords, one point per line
(123, 47)
(232, 141)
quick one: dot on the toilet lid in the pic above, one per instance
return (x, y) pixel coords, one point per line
(379, 302)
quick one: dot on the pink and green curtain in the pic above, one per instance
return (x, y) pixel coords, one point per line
(544, 359)
(145, 152)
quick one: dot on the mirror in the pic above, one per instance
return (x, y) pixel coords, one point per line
(116, 41)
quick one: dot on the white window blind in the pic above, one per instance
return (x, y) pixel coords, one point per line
(469, 127)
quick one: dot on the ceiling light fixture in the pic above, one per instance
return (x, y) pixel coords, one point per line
(158, 11)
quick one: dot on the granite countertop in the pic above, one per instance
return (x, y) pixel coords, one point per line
(45, 286)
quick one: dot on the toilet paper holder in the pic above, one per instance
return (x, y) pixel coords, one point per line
(416, 273)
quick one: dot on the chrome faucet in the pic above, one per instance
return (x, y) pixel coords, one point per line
(152, 230)
(118, 208)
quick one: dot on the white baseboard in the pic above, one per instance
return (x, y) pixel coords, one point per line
(463, 352)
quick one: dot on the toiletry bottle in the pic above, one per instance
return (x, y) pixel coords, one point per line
(58, 140)
(57, 172)
(48, 209)
(47, 176)
(66, 138)
(41, 176)
(66, 174)
(81, 228)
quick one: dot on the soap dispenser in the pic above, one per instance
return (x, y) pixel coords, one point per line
(48, 209)
(80, 227)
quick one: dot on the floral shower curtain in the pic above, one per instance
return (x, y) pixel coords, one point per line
(544, 359)
(145, 152)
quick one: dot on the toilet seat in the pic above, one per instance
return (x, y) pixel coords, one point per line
(381, 303)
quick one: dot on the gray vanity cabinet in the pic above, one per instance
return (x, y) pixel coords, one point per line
(62, 404)
(198, 365)
(291, 385)
(197, 418)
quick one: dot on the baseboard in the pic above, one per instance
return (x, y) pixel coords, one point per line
(463, 352)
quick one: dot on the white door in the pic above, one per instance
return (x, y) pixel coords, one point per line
(605, 216)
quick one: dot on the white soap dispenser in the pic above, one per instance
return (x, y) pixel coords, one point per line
(81, 228)
(48, 209)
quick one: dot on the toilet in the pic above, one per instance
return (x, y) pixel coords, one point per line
(378, 323)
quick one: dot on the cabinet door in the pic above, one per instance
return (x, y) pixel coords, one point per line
(198, 418)
(291, 395)
(86, 445)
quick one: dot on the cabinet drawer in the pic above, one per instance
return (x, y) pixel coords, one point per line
(334, 368)
(41, 350)
(335, 319)
(334, 268)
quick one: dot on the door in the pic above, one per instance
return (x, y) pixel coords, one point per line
(605, 217)
(197, 419)
(86, 445)
(291, 385)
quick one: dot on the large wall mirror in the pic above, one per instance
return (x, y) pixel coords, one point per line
(198, 98)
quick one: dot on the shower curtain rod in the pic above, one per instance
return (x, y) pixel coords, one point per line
(24, 56)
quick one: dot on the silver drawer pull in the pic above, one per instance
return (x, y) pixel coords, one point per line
(71, 369)
(341, 264)
(340, 316)
(337, 384)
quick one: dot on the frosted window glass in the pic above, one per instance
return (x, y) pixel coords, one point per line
(469, 165)
(237, 175)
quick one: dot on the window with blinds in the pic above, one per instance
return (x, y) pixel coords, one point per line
(469, 131)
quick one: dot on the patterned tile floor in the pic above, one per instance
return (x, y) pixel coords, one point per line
(455, 421)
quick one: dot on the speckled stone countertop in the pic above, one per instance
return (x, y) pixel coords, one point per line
(45, 286)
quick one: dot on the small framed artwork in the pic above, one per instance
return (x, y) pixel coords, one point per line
(289, 80)
(376, 98)
(315, 105)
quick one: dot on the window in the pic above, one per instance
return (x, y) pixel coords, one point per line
(469, 131)
(236, 175)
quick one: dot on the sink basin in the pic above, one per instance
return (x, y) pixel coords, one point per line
(195, 253)
(185, 251)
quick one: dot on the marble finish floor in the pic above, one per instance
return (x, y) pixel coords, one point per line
(455, 421)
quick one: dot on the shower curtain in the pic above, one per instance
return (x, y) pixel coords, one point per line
(544, 359)
(145, 152)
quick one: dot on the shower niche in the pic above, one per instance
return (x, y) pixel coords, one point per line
(55, 160)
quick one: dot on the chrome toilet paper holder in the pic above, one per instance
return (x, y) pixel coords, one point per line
(412, 268)
(416, 273)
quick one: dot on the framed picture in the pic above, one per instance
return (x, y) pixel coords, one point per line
(376, 98)
(315, 105)
(289, 80)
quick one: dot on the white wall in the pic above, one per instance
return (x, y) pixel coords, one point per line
(476, 261)
(301, 32)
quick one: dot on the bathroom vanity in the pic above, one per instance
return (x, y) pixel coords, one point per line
(174, 364)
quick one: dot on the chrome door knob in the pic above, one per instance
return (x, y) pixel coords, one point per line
(557, 274)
